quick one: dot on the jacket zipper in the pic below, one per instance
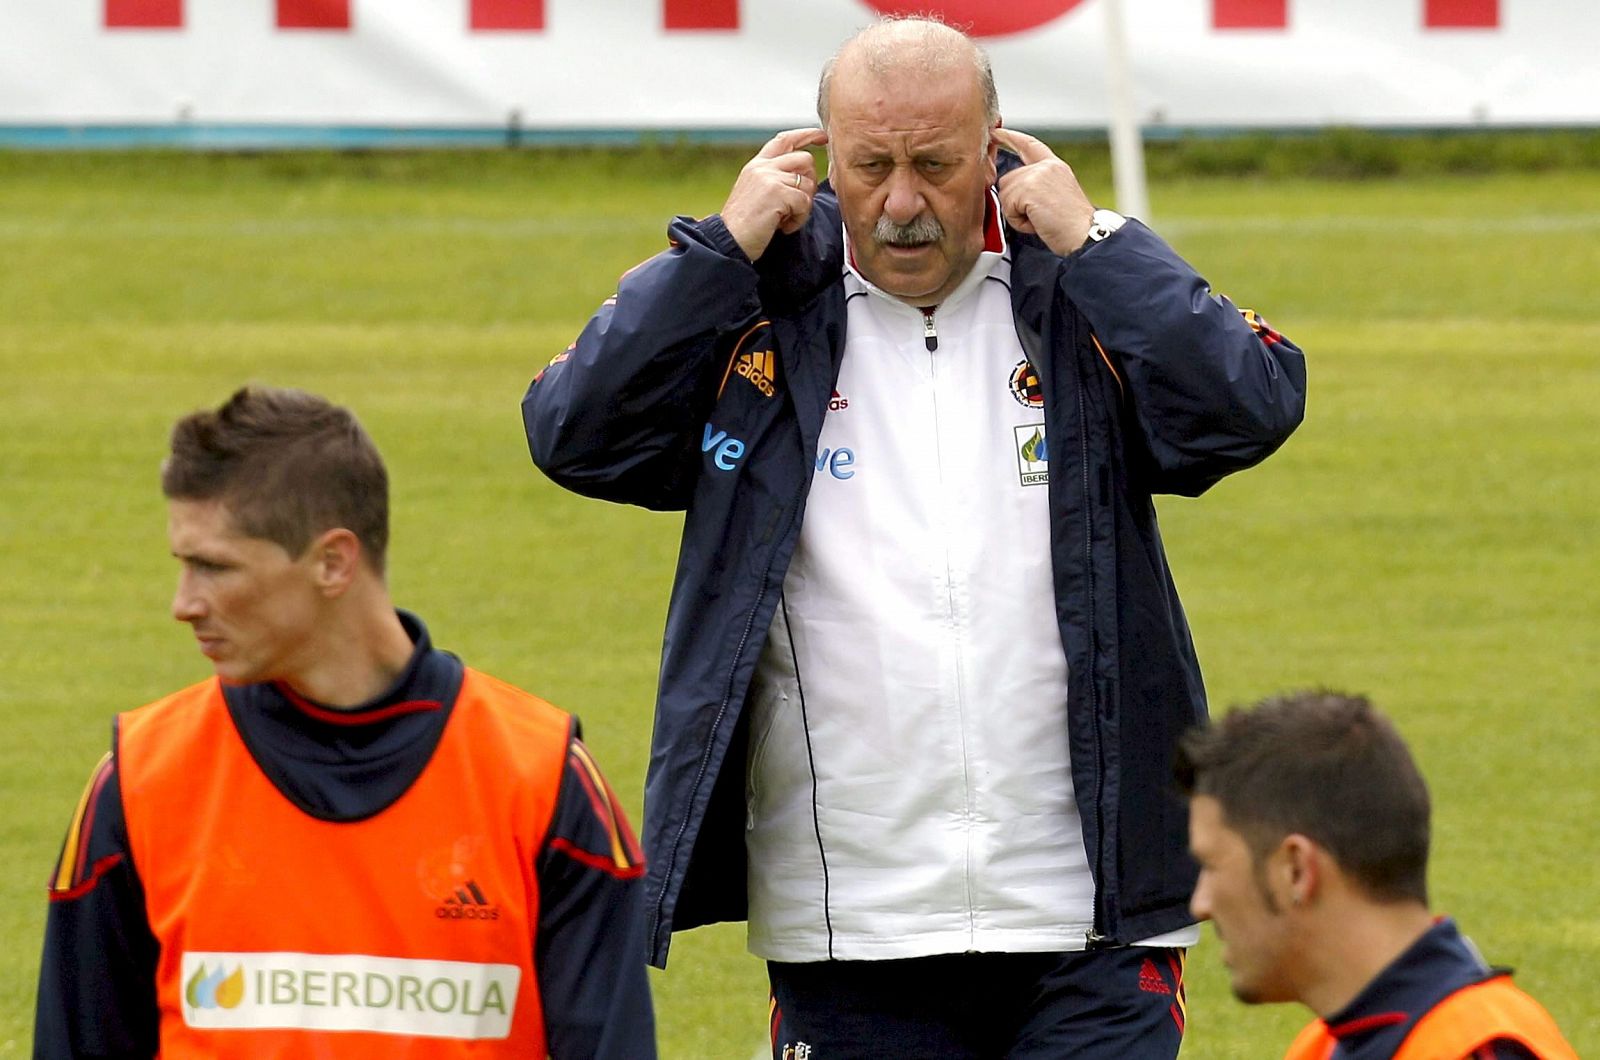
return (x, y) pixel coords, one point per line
(931, 340)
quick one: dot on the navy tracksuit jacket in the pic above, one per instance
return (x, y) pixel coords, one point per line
(1151, 383)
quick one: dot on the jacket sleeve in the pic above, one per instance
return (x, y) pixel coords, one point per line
(618, 414)
(1212, 388)
(97, 988)
(590, 949)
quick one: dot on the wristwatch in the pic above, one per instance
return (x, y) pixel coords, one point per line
(1102, 224)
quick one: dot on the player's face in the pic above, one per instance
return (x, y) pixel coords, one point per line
(1256, 941)
(252, 606)
(909, 158)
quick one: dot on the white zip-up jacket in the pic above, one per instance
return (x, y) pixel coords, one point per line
(909, 789)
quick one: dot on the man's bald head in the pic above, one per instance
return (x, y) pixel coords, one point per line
(923, 46)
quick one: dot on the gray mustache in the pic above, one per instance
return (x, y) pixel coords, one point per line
(914, 233)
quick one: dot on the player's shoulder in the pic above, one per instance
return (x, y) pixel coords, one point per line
(485, 699)
(488, 686)
(173, 721)
(175, 703)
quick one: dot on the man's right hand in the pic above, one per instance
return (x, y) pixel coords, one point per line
(774, 190)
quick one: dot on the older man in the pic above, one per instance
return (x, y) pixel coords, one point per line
(1309, 820)
(924, 666)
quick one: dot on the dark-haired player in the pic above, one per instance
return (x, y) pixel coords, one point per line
(1310, 822)
(345, 843)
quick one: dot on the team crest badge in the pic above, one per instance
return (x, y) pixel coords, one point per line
(1025, 387)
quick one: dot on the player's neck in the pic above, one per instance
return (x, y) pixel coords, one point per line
(1356, 946)
(361, 649)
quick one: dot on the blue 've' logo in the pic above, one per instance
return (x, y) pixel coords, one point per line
(728, 450)
(837, 462)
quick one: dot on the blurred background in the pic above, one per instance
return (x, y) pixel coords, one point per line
(242, 72)
(412, 205)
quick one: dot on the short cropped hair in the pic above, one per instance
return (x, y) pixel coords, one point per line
(941, 47)
(288, 465)
(1325, 765)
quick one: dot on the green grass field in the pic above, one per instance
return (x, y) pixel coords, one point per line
(1429, 536)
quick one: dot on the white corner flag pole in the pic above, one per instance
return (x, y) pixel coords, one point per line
(1127, 147)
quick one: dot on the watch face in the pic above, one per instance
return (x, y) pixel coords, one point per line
(1108, 221)
(1103, 223)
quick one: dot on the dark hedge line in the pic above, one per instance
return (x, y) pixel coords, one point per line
(1334, 153)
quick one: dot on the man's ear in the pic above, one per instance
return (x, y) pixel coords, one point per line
(1300, 864)
(335, 561)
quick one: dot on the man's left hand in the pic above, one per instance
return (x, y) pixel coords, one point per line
(1044, 196)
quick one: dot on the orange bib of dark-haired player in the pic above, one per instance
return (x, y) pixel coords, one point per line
(409, 934)
(1457, 1026)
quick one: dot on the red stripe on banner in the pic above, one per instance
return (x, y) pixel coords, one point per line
(981, 18)
(1461, 14)
(313, 14)
(507, 14)
(700, 14)
(144, 14)
(1249, 14)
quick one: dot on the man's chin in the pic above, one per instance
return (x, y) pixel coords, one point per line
(1247, 994)
(232, 672)
(1257, 994)
(917, 259)
(909, 285)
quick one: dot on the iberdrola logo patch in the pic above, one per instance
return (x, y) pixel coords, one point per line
(216, 989)
(349, 992)
(1033, 454)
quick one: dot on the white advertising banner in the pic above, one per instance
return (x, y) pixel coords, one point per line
(753, 64)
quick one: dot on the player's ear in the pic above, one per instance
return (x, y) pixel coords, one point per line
(1301, 876)
(335, 560)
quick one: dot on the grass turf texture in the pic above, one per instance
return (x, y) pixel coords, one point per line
(1427, 537)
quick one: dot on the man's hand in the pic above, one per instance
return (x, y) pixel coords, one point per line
(774, 190)
(1044, 196)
